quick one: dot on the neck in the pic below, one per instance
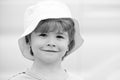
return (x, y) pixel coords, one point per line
(46, 68)
(49, 71)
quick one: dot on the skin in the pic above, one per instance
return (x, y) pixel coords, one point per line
(48, 49)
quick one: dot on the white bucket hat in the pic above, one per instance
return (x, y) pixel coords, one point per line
(44, 10)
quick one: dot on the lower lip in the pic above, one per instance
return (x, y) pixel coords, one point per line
(50, 51)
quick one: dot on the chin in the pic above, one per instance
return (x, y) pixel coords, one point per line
(50, 60)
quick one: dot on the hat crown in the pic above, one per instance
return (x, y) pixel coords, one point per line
(44, 10)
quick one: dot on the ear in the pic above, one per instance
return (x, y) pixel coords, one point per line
(28, 39)
(29, 44)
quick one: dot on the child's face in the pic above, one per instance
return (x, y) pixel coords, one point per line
(49, 47)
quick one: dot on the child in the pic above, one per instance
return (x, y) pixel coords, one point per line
(51, 34)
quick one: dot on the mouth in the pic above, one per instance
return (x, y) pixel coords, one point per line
(50, 51)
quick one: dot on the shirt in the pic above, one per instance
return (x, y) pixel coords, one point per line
(29, 75)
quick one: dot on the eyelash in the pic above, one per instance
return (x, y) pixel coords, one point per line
(43, 35)
(60, 37)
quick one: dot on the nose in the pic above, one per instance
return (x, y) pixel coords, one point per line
(51, 43)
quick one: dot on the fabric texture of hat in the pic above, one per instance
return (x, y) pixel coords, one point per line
(45, 10)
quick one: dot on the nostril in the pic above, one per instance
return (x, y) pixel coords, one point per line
(48, 44)
(52, 45)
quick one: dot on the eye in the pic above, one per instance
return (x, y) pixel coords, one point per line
(60, 37)
(43, 35)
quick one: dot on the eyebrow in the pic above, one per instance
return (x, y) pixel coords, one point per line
(61, 33)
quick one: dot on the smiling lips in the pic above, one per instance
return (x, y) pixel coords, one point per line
(50, 51)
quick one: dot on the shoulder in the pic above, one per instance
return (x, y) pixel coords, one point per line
(74, 76)
(21, 76)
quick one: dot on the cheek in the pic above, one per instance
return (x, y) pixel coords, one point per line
(63, 48)
(37, 43)
(63, 45)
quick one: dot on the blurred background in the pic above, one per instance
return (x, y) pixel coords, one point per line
(97, 59)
